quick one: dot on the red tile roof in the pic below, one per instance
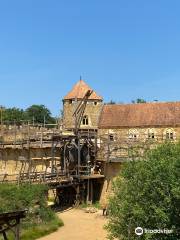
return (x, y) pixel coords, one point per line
(140, 115)
(79, 90)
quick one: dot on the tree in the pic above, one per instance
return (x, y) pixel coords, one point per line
(13, 115)
(39, 114)
(147, 195)
(111, 102)
(139, 100)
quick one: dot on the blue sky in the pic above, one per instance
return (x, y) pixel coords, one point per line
(124, 49)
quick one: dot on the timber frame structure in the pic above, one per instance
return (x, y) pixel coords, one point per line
(10, 221)
(75, 167)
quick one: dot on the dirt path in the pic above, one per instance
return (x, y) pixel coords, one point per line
(79, 225)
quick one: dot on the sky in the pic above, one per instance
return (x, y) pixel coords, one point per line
(124, 49)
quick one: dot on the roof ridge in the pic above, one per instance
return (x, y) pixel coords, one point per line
(131, 104)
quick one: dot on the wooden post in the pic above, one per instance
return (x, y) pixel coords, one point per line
(79, 156)
(87, 196)
(64, 159)
(52, 154)
(29, 157)
(91, 181)
(15, 134)
(41, 142)
(5, 236)
(17, 229)
(77, 195)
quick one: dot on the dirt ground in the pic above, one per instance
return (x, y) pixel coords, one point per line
(79, 225)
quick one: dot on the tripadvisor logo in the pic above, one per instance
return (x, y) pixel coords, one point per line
(139, 231)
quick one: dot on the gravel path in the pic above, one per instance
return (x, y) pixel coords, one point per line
(79, 225)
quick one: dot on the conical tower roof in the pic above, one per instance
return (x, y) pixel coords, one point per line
(79, 90)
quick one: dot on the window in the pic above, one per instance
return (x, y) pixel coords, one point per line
(133, 134)
(95, 103)
(85, 121)
(111, 137)
(151, 134)
(170, 134)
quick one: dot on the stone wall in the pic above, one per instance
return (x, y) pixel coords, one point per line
(111, 170)
(11, 159)
(141, 132)
(117, 141)
(93, 110)
(119, 150)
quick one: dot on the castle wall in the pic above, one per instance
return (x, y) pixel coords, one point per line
(111, 171)
(12, 159)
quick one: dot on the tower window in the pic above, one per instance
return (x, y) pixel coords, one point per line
(95, 103)
(85, 121)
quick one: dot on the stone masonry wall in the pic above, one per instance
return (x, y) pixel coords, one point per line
(111, 172)
(92, 111)
(120, 136)
(142, 133)
(11, 159)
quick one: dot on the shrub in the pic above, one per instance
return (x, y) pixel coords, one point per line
(40, 219)
(147, 195)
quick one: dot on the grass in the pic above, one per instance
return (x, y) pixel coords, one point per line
(34, 232)
(37, 231)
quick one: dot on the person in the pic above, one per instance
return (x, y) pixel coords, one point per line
(93, 169)
(104, 206)
(97, 169)
(105, 212)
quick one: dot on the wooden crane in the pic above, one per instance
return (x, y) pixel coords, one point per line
(79, 112)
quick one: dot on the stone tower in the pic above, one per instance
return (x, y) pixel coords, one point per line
(92, 111)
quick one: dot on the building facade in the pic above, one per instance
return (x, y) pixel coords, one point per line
(141, 121)
(122, 127)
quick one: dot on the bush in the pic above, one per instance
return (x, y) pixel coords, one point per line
(40, 219)
(38, 231)
(147, 195)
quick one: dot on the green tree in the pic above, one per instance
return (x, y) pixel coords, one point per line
(13, 115)
(139, 100)
(147, 195)
(39, 113)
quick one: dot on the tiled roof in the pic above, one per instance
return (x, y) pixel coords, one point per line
(79, 90)
(139, 115)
